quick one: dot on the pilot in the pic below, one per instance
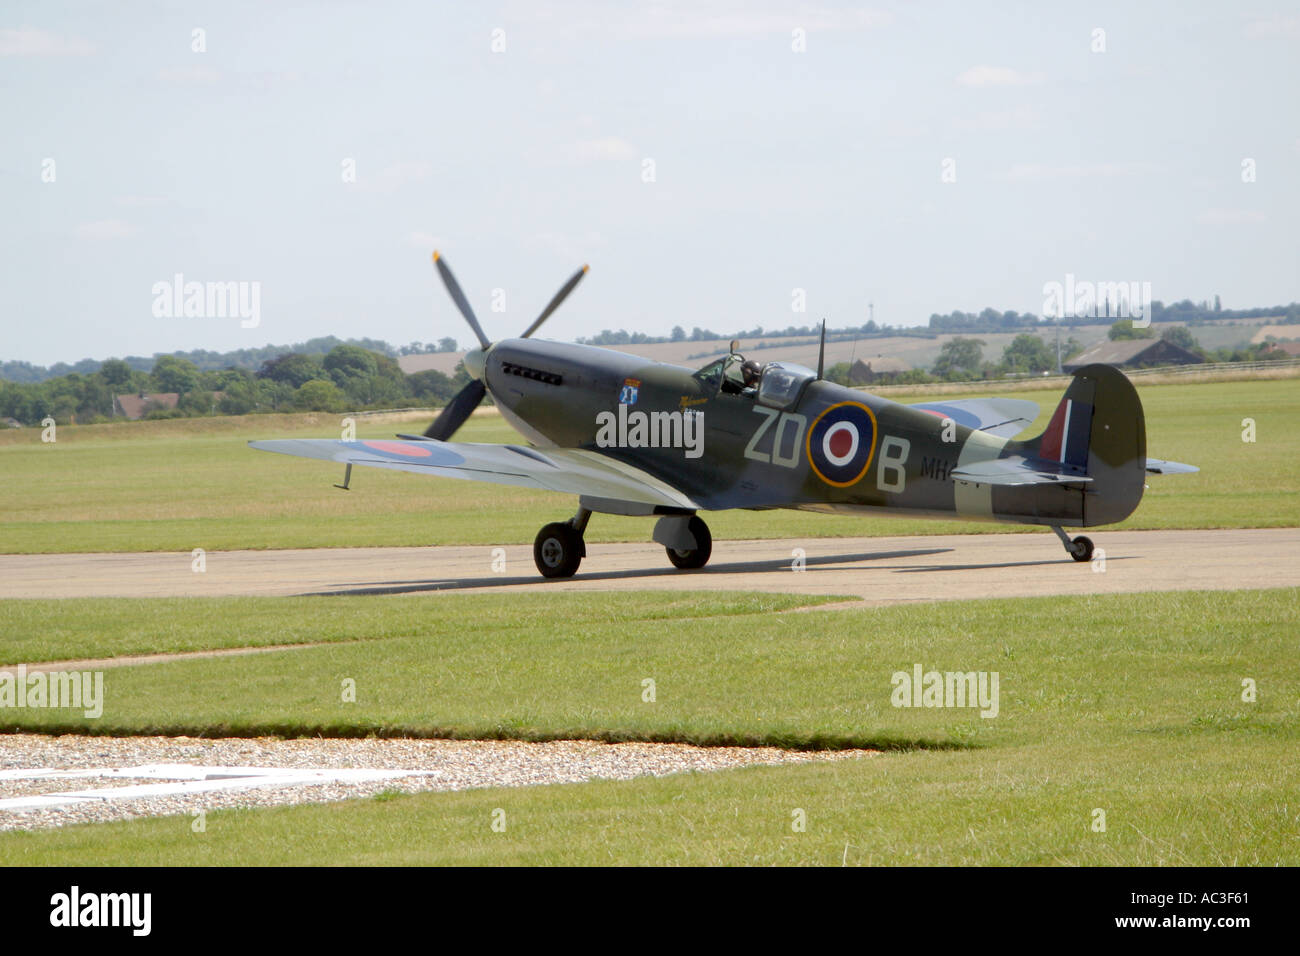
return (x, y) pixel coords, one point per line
(751, 371)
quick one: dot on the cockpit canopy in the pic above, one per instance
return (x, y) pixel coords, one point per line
(782, 384)
(779, 386)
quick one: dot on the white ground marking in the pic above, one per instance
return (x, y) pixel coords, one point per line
(184, 780)
(33, 765)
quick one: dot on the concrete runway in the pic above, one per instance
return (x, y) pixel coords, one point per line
(878, 570)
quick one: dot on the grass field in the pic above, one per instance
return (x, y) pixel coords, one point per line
(1131, 704)
(179, 485)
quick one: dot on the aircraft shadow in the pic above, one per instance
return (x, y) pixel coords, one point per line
(1000, 564)
(733, 567)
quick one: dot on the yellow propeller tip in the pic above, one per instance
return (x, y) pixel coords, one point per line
(435, 255)
(586, 268)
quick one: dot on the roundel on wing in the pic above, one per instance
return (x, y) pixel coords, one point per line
(414, 452)
(841, 443)
(397, 449)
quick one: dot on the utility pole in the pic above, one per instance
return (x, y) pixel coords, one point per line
(1057, 323)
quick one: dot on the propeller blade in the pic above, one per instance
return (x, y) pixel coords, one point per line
(453, 289)
(555, 302)
(458, 409)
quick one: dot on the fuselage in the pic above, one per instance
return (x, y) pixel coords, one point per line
(793, 441)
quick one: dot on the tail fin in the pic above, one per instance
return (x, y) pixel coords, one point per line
(1099, 430)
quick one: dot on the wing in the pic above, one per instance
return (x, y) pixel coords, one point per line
(1017, 470)
(1003, 417)
(1157, 466)
(568, 470)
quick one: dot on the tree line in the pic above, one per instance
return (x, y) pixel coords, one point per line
(347, 377)
(1186, 312)
(208, 360)
(697, 334)
(962, 357)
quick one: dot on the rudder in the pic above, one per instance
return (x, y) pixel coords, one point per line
(1099, 430)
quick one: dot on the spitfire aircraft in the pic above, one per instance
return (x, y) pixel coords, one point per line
(630, 436)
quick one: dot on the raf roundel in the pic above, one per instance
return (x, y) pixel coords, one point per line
(841, 443)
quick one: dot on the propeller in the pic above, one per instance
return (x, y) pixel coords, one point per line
(468, 398)
(555, 302)
(456, 411)
(457, 296)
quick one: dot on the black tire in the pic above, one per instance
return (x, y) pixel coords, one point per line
(558, 550)
(1081, 549)
(699, 556)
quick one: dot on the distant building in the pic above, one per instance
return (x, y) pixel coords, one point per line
(1288, 348)
(137, 406)
(13, 423)
(871, 371)
(1133, 353)
(444, 362)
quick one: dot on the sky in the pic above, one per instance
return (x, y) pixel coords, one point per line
(707, 159)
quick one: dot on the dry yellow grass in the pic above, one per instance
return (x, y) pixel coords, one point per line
(1058, 383)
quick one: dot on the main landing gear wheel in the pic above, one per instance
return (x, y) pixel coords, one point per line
(558, 550)
(699, 556)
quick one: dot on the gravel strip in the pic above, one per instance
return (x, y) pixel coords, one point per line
(460, 765)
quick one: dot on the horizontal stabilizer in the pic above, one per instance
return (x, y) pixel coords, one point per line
(1157, 466)
(1001, 417)
(1009, 472)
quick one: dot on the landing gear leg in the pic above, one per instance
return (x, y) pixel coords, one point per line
(559, 547)
(579, 522)
(1079, 548)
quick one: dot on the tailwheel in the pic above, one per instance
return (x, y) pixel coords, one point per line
(698, 556)
(1079, 548)
(558, 550)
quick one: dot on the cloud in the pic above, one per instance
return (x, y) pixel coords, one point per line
(205, 76)
(574, 247)
(980, 76)
(392, 177)
(31, 42)
(101, 229)
(696, 19)
(599, 150)
(190, 76)
(1230, 217)
(1022, 117)
(728, 20)
(141, 200)
(426, 241)
(1274, 27)
(1043, 171)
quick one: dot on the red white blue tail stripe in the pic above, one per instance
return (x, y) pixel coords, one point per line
(1067, 436)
